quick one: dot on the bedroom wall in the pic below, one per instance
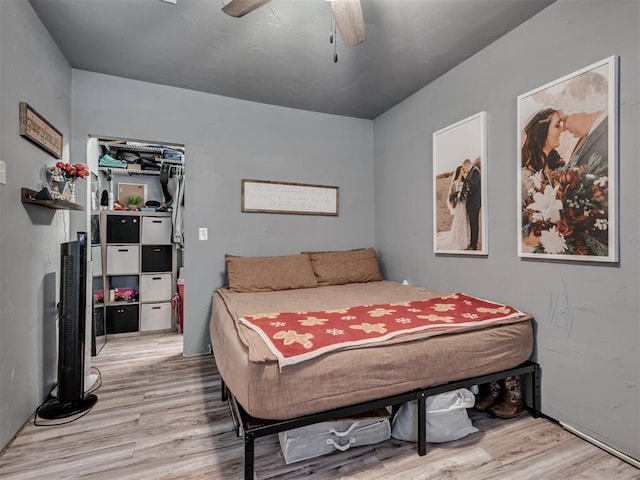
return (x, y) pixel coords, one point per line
(587, 318)
(227, 140)
(33, 70)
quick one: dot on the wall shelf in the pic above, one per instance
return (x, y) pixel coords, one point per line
(29, 196)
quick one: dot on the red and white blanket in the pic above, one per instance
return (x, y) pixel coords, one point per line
(294, 337)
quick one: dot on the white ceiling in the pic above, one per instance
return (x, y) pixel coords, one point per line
(280, 54)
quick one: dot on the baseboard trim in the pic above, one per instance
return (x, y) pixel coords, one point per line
(603, 446)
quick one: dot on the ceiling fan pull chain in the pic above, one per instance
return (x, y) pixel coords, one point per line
(334, 37)
(331, 35)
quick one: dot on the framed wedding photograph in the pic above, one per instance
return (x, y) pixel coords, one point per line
(567, 167)
(459, 186)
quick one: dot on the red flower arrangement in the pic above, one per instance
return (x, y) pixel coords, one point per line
(65, 171)
(61, 179)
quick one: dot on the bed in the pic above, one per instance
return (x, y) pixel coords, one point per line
(270, 395)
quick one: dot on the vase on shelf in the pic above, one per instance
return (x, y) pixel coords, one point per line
(72, 196)
(69, 192)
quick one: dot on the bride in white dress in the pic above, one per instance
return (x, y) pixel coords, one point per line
(458, 237)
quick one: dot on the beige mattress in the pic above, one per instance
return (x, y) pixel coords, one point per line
(354, 374)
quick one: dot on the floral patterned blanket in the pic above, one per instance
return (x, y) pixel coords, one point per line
(294, 337)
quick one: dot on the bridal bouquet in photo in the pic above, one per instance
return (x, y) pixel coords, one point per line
(457, 196)
(567, 211)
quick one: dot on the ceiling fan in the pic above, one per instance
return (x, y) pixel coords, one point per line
(347, 13)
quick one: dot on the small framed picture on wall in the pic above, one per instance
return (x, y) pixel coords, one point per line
(567, 162)
(459, 186)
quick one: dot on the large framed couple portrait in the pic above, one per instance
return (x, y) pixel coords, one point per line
(567, 177)
(459, 180)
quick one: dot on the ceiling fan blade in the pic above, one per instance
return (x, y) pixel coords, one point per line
(239, 8)
(350, 21)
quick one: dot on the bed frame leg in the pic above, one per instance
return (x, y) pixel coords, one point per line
(537, 398)
(422, 424)
(248, 455)
(532, 391)
(223, 390)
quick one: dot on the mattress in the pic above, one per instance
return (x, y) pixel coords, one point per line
(354, 374)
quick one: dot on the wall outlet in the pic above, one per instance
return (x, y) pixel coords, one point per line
(203, 233)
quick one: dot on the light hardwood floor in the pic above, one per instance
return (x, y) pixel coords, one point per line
(159, 416)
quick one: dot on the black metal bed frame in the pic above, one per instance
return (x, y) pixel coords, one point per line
(252, 428)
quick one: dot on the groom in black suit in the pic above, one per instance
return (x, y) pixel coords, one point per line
(473, 202)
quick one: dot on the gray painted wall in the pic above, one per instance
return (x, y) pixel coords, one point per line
(227, 140)
(586, 315)
(33, 70)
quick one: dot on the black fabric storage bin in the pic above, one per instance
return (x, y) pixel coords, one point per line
(156, 258)
(122, 318)
(123, 229)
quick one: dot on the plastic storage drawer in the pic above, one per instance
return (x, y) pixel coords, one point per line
(123, 229)
(156, 258)
(155, 316)
(155, 287)
(156, 230)
(123, 259)
(122, 319)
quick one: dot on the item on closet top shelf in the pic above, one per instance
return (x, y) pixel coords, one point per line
(129, 157)
(169, 154)
(98, 296)
(447, 418)
(108, 161)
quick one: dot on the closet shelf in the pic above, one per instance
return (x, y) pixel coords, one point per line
(126, 171)
(29, 196)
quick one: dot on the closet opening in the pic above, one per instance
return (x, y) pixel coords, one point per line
(137, 242)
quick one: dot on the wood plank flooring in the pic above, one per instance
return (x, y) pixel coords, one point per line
(159, 416)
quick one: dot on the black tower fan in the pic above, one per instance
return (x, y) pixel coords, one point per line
(71, 399)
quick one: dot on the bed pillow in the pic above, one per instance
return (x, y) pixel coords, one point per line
(267, 274)
(339, 268)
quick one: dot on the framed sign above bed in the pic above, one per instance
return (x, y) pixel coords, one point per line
(265, 196)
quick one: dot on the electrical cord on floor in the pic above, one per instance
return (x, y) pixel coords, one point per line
(96, 387)
(35, 418)
(98, 382)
